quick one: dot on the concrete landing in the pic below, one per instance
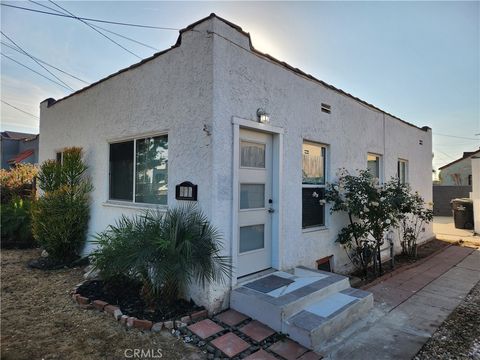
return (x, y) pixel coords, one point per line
(311, 306)
(410, 306)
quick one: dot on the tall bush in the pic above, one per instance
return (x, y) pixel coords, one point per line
(166, 252)
(415, 216)
(372, 209)
(61, 214)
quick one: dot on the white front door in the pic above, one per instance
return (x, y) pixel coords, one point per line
(255, 202)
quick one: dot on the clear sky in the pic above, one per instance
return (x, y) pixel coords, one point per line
(417, 60)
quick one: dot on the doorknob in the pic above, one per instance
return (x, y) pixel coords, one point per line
(271, 209)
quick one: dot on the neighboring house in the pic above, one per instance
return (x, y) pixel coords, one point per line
(191, 113)
(458, 172)
(455, 181)
(18, 148)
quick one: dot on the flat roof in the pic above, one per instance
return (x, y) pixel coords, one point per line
(283, 64)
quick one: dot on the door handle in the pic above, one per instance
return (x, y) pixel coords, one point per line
(271, 210)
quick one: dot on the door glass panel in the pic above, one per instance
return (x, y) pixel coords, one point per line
(252, 196)
(251, 237)
(252, 154)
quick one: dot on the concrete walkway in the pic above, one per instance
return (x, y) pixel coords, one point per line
(444, 229)
(410, 306)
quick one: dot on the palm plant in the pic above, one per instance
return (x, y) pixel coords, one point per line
(165, 251)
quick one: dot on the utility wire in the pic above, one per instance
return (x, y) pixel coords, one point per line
(16, 108)
(99, 27)
(126, 37)
(90, 19)
(36, 72)
(44, 62)
(445, 154)
(457, 137)
(33, 58)
(98, 31)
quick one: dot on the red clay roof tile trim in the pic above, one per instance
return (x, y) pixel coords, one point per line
(21, 156)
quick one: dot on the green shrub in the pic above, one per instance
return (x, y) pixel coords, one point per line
(372, 209)
(16, 223)
(166, 252)
(17, 182)
(61, 214)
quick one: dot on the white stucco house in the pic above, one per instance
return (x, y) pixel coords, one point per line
(196, 104)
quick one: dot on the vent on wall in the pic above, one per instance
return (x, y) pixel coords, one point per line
(326, 108)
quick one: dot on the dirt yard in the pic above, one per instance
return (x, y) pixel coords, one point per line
(40, 321)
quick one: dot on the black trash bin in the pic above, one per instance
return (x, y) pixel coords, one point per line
(463, 213)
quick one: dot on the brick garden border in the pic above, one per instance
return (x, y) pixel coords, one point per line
(180, 329)
(131, 321)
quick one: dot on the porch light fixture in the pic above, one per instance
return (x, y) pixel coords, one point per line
(262, 116)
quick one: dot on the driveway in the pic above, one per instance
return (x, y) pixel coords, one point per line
(444, 229)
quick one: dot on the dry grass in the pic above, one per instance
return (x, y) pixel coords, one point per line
(40, 321)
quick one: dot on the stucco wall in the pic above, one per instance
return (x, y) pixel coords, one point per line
(171, 93)
(207, 81)
(476, 192)
(243, 82)
(457, 174)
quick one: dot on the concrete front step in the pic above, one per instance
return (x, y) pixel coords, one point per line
(323, 320)
(274, 298)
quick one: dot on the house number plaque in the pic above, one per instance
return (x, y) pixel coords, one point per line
(186, 191)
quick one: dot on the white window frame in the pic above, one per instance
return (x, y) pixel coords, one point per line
(133, 203)
(399, 161)
(323, 186)
(380, 165)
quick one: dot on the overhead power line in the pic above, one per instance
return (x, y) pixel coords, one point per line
(99, 27)
(44, 62)
(445, 154)
(126, 37)
(36, 72)
(90, 19)
(31, 57)
(98, 31)
(16, 108)
(456, 137)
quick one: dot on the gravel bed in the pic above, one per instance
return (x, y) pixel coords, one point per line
(459, 336)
